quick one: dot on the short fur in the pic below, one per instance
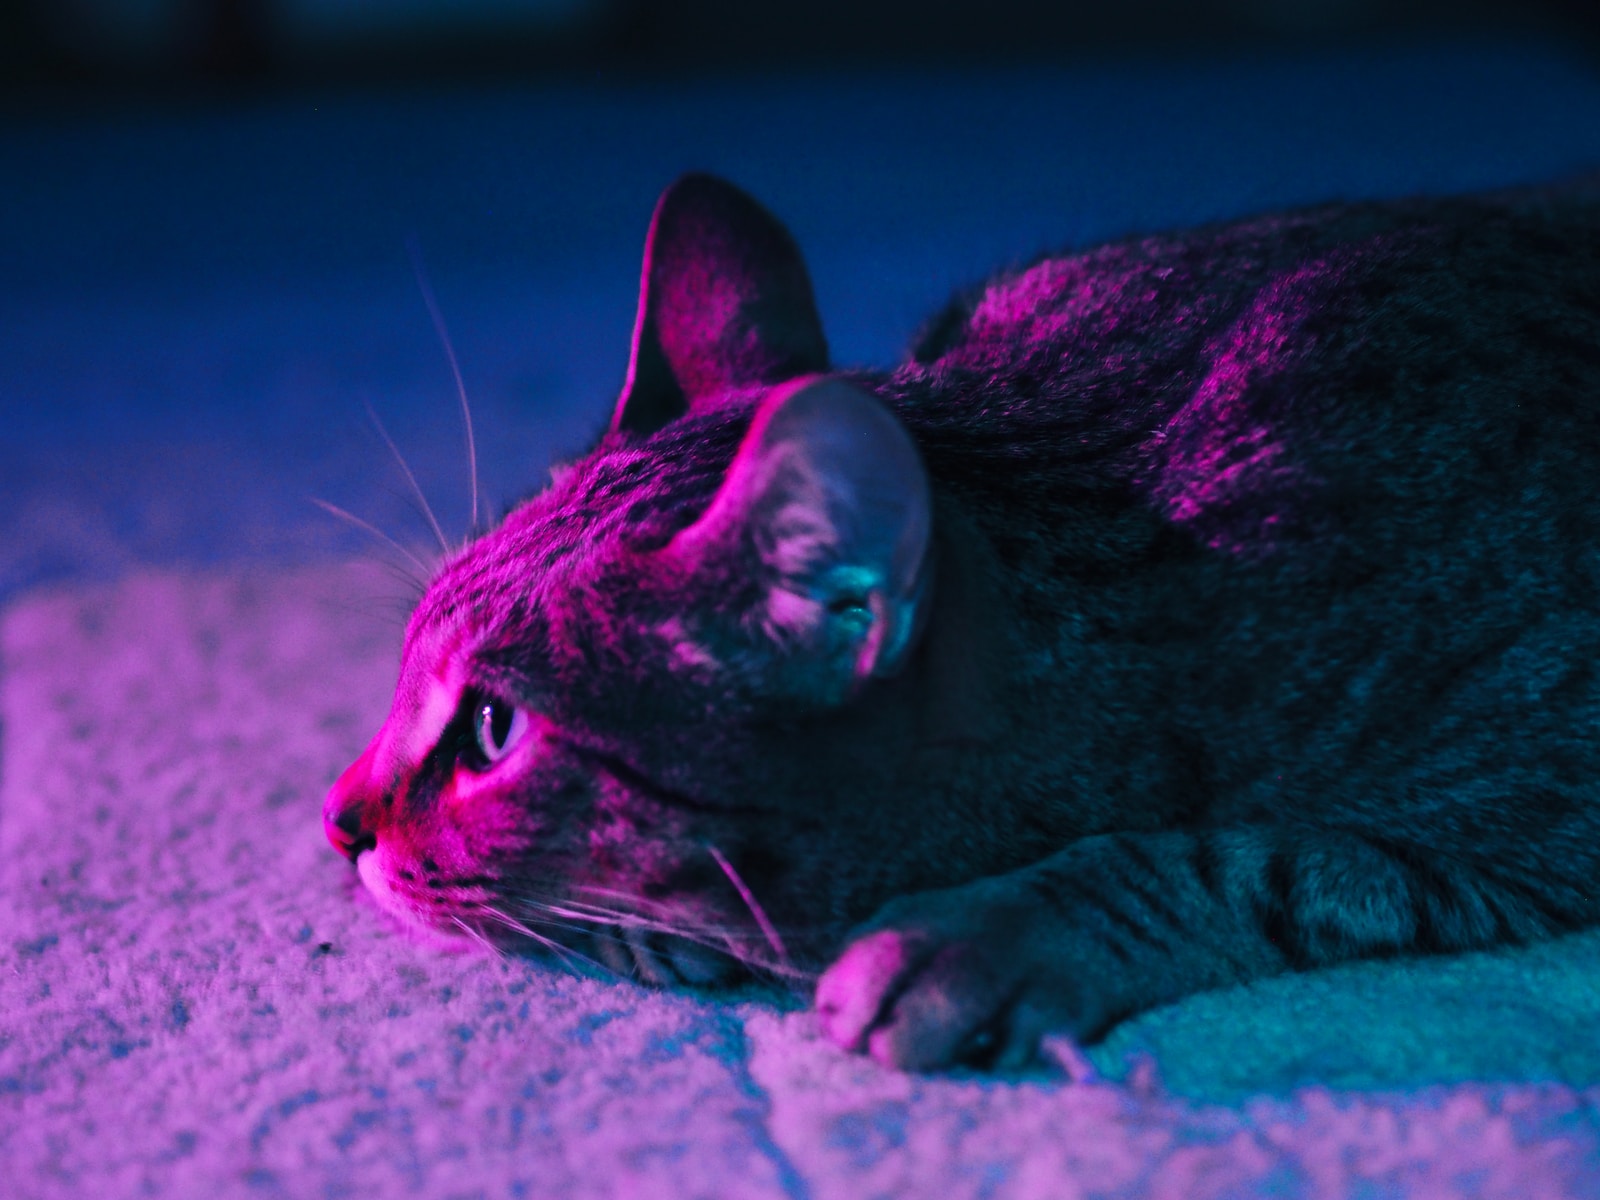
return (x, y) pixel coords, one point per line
(1212, 605)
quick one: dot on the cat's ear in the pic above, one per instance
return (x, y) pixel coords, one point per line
(724, 303)
(829, 499)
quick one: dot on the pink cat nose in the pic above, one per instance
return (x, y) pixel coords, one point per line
(347, 835)
(344, 812)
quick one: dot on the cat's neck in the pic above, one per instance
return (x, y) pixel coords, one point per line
(956, 678)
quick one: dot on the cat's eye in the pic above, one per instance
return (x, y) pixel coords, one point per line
(498, 727)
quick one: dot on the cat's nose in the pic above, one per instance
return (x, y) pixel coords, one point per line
(345, 813)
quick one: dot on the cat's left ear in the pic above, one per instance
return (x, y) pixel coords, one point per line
(829, 500)
(725, 303)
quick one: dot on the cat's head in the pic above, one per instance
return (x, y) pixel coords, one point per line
(652, 715)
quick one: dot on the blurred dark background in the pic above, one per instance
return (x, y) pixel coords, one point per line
(64, 48)
(206, 208)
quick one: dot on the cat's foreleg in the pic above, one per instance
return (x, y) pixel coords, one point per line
(1119, 923)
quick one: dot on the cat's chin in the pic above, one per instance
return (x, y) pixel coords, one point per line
(656, 959)
(369, 869)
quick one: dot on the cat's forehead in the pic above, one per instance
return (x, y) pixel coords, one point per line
(623, 496)
(496, 587)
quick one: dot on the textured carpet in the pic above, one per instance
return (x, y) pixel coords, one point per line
(197, 1001)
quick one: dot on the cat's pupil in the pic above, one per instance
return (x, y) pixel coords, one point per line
(498, 727)
(496, 719)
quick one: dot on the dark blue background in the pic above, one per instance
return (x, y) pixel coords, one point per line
(195, 302)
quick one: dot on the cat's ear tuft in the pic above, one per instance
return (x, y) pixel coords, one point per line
(829, 495)
(724, 303)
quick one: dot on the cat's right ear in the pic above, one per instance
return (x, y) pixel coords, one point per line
(829, 502)
(725, 304)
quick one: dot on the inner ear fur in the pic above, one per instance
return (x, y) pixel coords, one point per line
(725, 304)
(829, 492)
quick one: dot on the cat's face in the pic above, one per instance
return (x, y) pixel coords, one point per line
(645, 717)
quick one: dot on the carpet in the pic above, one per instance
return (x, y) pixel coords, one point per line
(198, 999)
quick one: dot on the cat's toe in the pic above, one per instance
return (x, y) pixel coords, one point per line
(915, 1002)
(950, 1012)
(970, 976)
(855, 990)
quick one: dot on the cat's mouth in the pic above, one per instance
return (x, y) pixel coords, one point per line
(602, 931)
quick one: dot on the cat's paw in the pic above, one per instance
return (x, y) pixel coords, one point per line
(969, 976)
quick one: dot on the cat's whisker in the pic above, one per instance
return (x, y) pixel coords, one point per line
(565, 953)
(405, 468)
(724, 939)
(630, 898)
(580, 911)
(716, 938)
(584, 925)
(767, 929)
(727, 939)
(477, 936)
(415, 249)
(368, 527)
(596, 920)
(578, 923)
(704, 934)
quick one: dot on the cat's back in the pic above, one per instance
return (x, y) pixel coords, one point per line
(1298, 390)
(1243, 380)
(1306, 488)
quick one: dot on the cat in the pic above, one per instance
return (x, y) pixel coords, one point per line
(1182, 612)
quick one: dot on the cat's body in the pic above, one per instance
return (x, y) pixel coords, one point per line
(1210, 606)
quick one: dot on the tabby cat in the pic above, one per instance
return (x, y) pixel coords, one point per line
(1186, 611)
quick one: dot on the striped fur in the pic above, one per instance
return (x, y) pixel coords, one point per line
(1251, 627)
